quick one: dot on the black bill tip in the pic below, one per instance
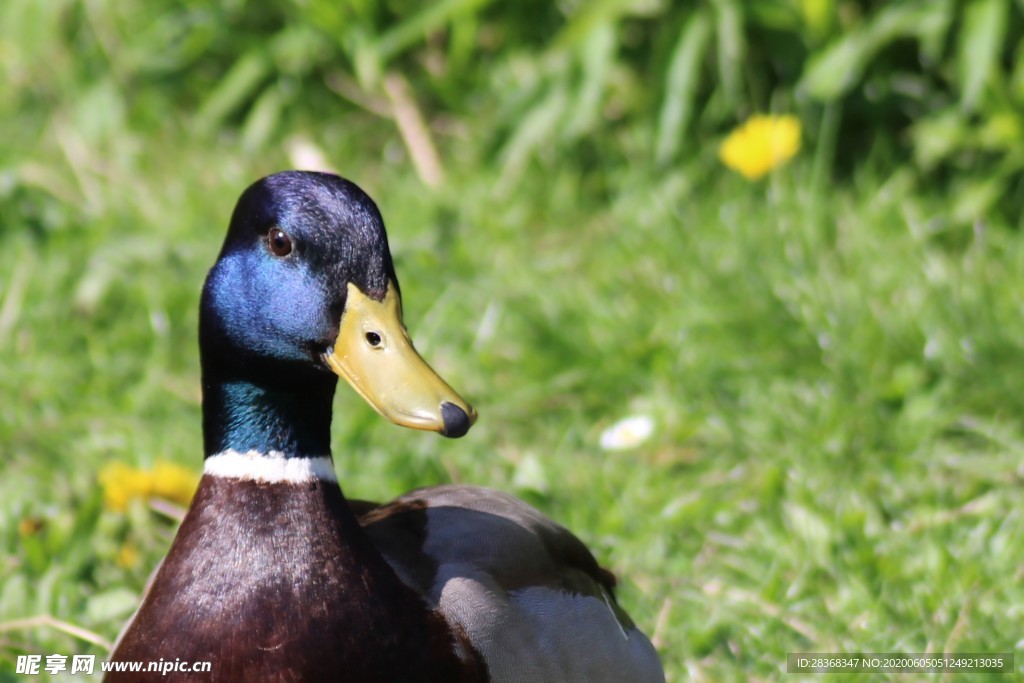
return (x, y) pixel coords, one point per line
(456, 421)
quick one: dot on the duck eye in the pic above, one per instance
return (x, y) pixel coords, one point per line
(279, 242)
(373, 339)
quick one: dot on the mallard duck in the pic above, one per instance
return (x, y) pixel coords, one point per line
(274, 575)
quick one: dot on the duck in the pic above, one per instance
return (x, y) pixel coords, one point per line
(274, 575)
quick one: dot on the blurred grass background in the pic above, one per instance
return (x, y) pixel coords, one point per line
(830, 356)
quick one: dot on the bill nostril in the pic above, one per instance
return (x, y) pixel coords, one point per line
(456, 421)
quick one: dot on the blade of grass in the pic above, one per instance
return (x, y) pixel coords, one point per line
(415, 133)
(981, 42)
(732, 48)
(48, 621)
(681, 86)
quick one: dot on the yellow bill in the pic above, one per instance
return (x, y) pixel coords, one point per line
(374, 354)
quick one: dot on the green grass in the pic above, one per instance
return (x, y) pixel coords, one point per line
(834, 368)
(834, 380)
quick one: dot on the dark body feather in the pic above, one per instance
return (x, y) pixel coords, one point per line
(277, 582)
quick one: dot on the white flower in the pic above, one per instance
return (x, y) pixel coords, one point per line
(627, 433)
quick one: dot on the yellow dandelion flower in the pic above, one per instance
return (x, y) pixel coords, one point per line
(122, 483)
(127, 556)
(761, 144)
(174, 482)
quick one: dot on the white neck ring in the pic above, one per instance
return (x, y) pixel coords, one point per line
(272, 467)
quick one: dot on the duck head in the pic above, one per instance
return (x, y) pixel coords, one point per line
(304, 289)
